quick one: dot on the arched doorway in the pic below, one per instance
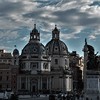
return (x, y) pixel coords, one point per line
(34, 85)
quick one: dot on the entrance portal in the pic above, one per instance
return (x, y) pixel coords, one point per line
(34, 85)
(33, 88)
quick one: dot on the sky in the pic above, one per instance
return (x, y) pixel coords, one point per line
(76, 20)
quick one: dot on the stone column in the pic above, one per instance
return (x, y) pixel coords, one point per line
(41, 82)
(47, 82)
(38, 83)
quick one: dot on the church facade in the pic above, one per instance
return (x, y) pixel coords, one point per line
(43, 69)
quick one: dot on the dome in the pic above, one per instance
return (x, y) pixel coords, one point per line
(56, 47)
(15, 52)
(34, 48)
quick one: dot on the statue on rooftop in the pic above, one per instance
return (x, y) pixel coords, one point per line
(93, 62)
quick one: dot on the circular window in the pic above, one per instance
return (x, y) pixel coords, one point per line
(34, 50)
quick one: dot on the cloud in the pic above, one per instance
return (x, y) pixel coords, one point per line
(25, 38)
(95, 3)
(73, 15)
(6, 48)
(65, 12)
(71, 33)
(92, 37)
(95, 34)
(8, 34)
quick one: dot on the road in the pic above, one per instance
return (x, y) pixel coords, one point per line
(35, 98)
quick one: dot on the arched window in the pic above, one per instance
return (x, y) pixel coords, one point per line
(34, 36)
(65, 61)
(30, 37)
(55, 35)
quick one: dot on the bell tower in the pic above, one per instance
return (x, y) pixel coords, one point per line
(55, 33)
(34, 35)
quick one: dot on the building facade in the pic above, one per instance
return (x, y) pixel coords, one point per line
(75, 65)
(8, 72)
(44, 68)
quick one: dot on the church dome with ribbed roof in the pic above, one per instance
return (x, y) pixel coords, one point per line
(34, 46)
(56, 46)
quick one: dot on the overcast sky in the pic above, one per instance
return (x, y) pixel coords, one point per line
(76, 19)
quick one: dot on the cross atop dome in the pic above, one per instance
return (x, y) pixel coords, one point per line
(34, 26)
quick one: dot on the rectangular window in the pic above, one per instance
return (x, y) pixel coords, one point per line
(14, 62)
(7, 86)
(7, 78)
(56, 61)
(0, 86)
(44, 83)
(34, 65)
(65, 61)
(0, 78)
(9, 60)
(4, 60)
(23, 65)
(45, 66)
(23, 83)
